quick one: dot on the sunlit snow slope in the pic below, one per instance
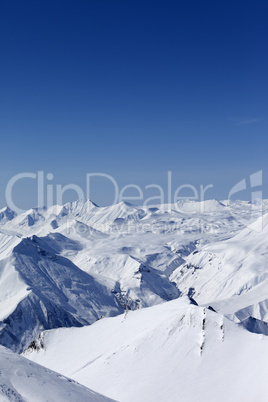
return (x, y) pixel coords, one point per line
(23, 381)
(175, 351)
(232, 276)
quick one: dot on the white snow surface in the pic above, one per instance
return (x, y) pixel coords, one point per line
(24, 381)
(175, 351)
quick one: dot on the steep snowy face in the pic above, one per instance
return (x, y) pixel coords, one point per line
(21, 380)
(6, 214)
(7, 244)
(173, 351)
(44, 290)
(12, 288)
(231, 275)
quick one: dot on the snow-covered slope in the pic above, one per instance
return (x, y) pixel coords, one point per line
(6, 215)
(231, 275)
(24, 381)
(175, 351)
(40, 289)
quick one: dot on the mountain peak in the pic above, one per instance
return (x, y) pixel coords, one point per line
(6, 214)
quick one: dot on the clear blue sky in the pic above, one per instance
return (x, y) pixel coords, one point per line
(133, 88)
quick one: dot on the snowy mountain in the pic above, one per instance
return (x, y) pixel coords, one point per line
(42, 290)
(175, 351)
(70, 265)
(6, 214)
(21, 380)
(231, 275)
(70, 272)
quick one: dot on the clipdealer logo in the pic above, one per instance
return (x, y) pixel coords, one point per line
(48, 193)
